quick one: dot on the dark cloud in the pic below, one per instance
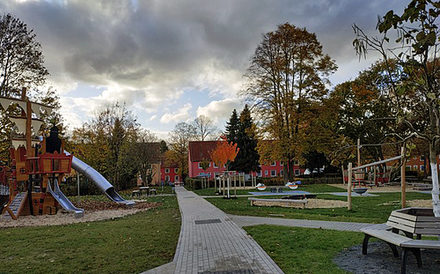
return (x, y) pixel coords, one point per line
(159, 48)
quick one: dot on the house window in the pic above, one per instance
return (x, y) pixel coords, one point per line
(273, 173)
(281, 163)
(295, 163)
(281, 172)
(266, 172)
(200, 165)
(215, 166)
(176, 178)
(422, 167)
(167, 178)
(296, 172)
(259, 173)
(176, 170)
(273, 163)
(167, 170)
(416, 167)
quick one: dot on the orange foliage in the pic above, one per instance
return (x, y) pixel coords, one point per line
(224, 152)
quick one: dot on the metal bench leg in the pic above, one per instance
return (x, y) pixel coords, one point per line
(403, 261)
(416, 252)
(365, 244)
(394, 249)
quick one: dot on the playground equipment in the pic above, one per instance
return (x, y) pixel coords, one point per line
(360, 168)
(37, 166)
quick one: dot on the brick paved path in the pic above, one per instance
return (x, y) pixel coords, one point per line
(251, 220)
(211, 243)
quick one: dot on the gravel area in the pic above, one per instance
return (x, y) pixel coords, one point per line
(94, 211)
(380, 259)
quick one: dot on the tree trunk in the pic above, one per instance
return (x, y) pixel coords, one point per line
(435, 186)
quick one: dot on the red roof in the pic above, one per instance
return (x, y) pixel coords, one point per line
(199, 150)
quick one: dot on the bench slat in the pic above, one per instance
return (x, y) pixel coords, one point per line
(427, 244)
(401, 221)
(387, 236)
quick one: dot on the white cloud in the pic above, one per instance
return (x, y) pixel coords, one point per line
(178, 116)
(219, 110)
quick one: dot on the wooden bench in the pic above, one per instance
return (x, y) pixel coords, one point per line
(277, 202)
(393, 239)
(136, 193)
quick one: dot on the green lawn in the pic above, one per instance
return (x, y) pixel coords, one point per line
(365, 209)
(303, 250)
(127, 245)
(313, 188)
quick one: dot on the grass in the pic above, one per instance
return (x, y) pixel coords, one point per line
(365, 209)
(313, 188)
(303, 250)
(131, 244)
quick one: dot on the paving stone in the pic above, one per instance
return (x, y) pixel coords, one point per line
(215, 246)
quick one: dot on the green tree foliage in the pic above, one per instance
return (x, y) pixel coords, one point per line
(288, 71)
(106, 143)
(21, 59)
(247, 159)
(415, 96)
(51, 98)
(232, 127)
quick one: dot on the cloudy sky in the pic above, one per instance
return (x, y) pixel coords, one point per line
(170, 61)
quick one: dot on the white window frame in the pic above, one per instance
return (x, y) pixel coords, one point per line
(297, 172)
(176, 170)
(273, 173)
(167, 170)
(266, 172)
(215, 166)
(167, 178)
(199, 166)
(274, 163)
(176, 178)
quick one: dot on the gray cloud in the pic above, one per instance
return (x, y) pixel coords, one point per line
(153, 50)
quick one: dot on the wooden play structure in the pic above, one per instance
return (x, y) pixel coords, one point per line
(36, 165)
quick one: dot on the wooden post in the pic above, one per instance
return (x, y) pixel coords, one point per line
(77, 181)
(359, 151)
(235, 186)
(403, 178)
(349, 185)
(374, 175)
(343, 178)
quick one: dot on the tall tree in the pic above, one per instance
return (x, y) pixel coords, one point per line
(105, 144)
(247, 159)
(288, 70)
(146, 152)
(415, 94)
(21, 59)
(204, 127)
(180, 137)
(54, 118)
(232, 127)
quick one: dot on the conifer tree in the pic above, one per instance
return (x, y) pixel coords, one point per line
(232, 127)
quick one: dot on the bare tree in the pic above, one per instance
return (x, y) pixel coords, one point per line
(204, 127)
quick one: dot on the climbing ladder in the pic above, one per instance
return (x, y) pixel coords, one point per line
(13, 209)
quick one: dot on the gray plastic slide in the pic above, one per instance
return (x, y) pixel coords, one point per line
(99, 180)
(62, 199)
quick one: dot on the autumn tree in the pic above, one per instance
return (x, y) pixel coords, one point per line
(415, 95)
(180, 137)
(288, 71)
(105, 143)
(204, 127)
(146, 152)
(224, 153)
(21, 58)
